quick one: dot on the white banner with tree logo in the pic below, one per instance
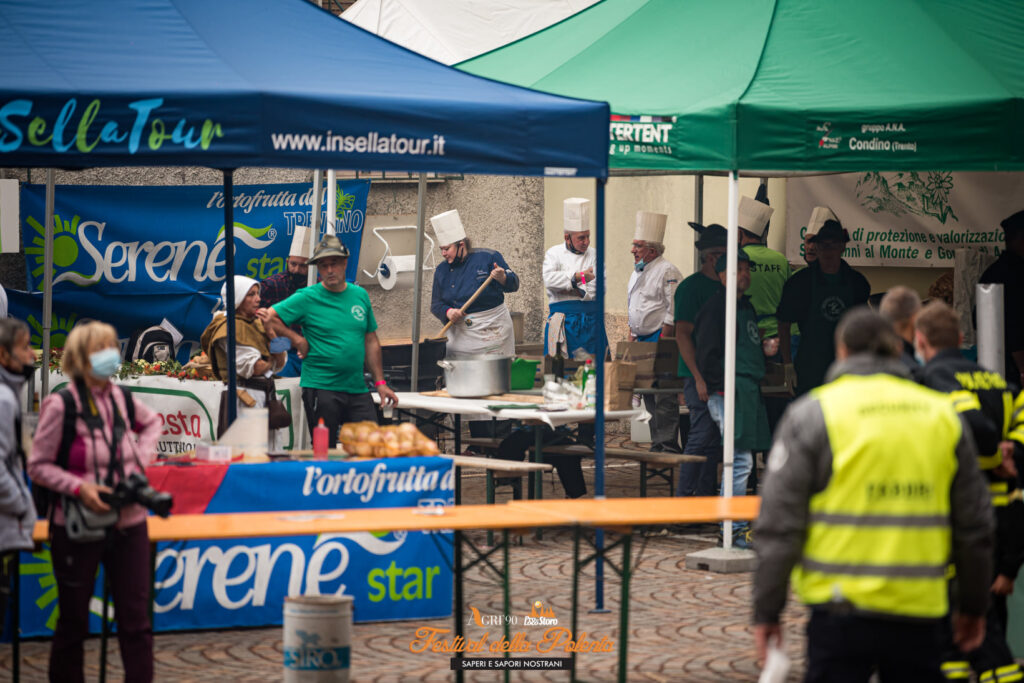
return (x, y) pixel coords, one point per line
(907, 218)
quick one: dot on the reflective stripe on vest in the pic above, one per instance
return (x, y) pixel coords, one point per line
(956, 670)
(879, 535)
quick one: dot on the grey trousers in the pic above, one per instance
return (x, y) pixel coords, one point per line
(664, 410)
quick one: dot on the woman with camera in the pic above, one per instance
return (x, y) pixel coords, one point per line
(92, 516)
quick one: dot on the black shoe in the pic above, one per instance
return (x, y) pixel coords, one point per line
(657, 448)
(669, 447)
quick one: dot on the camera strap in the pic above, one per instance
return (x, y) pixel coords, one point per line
(94, 423)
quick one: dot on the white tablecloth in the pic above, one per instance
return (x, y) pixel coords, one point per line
(476, 408)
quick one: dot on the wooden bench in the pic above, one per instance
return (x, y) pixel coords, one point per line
(661, 465)
(484, 443)
(495, 467)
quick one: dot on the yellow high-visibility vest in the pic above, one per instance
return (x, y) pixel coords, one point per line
(879, 534)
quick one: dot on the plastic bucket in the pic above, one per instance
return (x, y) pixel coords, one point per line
(317, 638)
(524, 372)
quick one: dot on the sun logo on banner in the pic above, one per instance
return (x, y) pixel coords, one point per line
(60, 328)
(42, 568)
(65, 245)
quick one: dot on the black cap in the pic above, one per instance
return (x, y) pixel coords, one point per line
(832, 231)
(1013, 224)
(711, 236)
(722, 263)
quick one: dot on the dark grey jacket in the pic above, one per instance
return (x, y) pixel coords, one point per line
(800, 466)
(17, 512)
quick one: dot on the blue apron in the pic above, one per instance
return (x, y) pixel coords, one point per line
(652, 337)
(580, 325)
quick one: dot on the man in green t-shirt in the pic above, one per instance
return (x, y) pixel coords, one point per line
(340, 339)
(698, 479)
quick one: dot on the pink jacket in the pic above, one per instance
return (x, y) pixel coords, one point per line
(90, 454)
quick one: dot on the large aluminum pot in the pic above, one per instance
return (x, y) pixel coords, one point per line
(475, 376)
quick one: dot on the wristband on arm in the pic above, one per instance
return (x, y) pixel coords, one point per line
(380, 382)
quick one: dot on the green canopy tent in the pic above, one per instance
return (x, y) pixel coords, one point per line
(777, 87)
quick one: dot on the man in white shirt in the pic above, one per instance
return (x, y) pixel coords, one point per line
(651, 292)
(571, 330)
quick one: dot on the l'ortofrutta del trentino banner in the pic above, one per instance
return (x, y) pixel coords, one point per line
(132, 256)
(909, 218)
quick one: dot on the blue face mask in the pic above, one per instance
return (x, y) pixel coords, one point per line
(639, 266)
(104, 363)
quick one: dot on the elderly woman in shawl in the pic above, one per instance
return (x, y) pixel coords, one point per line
(254, 361)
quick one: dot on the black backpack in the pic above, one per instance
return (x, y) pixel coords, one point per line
(42, 496)
(151, 344)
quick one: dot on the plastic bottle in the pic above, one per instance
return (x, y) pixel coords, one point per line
(320, 441)
(590, 384)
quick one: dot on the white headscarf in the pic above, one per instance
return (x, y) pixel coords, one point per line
(242, 286)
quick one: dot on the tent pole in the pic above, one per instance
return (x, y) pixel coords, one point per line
(417, 297)
(314, 222)
(698, 212)
(332, 201)
(599, 353)
(729, 430)
(229, 299)
(44, 371)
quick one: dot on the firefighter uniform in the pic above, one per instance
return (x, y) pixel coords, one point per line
(986, 404)
(871, 488)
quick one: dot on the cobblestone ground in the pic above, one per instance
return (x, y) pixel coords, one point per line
(684, 625)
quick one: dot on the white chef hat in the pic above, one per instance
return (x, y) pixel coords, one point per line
(754, 216)
(448, 227)
(301, 239)
(819, 215)
(242, 286)
(650, 226)
(576, 214)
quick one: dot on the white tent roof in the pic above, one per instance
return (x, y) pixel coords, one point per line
(451, 31)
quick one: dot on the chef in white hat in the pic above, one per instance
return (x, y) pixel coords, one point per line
(277, 288)
(254, 360)
(485, 327)
(651, 307)
(571, 330)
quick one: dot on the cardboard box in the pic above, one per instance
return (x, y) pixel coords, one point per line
(653, 360)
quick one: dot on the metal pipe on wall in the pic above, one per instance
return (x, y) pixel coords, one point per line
(417, 296)
(332, 201)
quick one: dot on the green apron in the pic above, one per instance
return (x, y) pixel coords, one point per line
(752, 432)
(830, 297)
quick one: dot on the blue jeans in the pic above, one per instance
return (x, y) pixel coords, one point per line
(699, 478)
(742, 461)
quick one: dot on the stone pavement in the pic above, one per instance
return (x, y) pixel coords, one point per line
(684, 625)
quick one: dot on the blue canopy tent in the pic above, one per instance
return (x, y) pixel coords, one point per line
(275, 83)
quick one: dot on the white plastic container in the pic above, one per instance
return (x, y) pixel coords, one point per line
(247, 435)
(317, 638)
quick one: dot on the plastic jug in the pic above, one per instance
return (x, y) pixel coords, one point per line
(320, 441)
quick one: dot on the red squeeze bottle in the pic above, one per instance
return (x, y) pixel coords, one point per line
(320, 441)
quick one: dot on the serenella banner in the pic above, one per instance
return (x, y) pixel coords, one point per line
(907, 218)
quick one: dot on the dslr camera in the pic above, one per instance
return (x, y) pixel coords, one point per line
(136, 489)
